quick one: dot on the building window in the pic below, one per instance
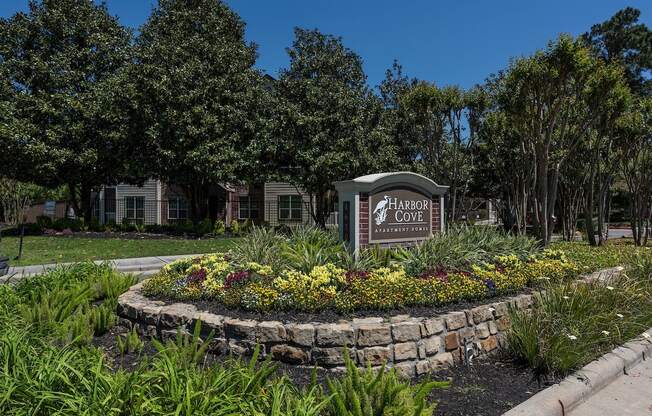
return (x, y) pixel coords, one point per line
(135, 208)
(177, 209)
(248, 208)
(289, 207)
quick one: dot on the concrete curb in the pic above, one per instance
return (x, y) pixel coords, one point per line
(560, 399)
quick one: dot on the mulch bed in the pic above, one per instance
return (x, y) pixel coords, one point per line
(335, 316)
(488, 387)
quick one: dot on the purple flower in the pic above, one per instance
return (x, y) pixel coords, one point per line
(197, 276)
(235, 278)
(354, 275)
(491, 286)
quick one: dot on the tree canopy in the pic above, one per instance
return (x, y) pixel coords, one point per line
(330, 120)
(201, 104)
(59, 63)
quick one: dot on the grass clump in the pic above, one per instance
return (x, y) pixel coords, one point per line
(130, 342)
(573, 324)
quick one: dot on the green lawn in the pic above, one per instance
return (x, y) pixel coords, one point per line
(49, 249)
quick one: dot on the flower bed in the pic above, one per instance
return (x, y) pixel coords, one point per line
(308, 271)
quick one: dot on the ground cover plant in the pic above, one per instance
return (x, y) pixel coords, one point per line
(574, 324)
(49, 366)
(309, 270)
(62, 249)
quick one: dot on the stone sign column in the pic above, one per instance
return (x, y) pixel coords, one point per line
(394, 208)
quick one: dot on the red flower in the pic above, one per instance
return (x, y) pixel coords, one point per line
(235, 278)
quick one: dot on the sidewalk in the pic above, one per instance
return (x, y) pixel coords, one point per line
(139, 265)
(628, 395)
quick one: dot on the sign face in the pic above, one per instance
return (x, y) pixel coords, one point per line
(399, 215)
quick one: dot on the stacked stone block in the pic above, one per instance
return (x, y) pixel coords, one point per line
(413, 345)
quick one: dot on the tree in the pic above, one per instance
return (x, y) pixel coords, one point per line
(397, 120)
(59, 60)
(505, 169)
(427, 108)
(542, 97)
(331, 120)
(634, 144)
(201, 105)
(606, 97)
(622, 39)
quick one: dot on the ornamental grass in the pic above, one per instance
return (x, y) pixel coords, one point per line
(573, 324)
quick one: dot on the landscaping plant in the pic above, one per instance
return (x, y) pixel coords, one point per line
(308, 269)
(47, 365)
(572, 324)
(369, 392)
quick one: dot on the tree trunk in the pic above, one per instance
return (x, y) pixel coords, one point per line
(72, 190)
(85, 195)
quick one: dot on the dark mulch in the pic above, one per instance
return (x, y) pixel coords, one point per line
(334, 316)
(488, 387)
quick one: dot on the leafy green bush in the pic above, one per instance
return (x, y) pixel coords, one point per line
(261, 246)
(370, 392)
(219, 228)
(43, 221)
(204, 227)
(73, 224)
(234, 227)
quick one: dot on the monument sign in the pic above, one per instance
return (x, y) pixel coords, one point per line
(389, 208)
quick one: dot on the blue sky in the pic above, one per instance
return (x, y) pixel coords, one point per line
(452, 42)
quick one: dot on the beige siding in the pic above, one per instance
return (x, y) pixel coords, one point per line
(275, 189)
(150, 191)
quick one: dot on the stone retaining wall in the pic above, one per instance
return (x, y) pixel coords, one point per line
(413, 345)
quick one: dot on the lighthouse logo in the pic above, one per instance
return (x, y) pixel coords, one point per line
(380, 212)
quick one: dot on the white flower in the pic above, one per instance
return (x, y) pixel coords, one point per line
(566, 297)
(572, 337)
(610, 287)
(620, 315)
(605, 332)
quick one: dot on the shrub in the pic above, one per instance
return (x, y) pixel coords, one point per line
(260, 246)
(130, 342)
(43, 221)
(72, 224)
(380, 392)
(247, 226)
(204, 227)
(235, 227)
(219, 228)
(27, 228)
